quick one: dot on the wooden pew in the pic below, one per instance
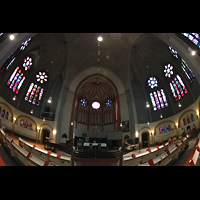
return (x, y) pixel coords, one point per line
(57, 159)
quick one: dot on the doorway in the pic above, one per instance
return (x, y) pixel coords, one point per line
(145, 137)
(45, 133)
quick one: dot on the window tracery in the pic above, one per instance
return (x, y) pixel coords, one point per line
(168, 70)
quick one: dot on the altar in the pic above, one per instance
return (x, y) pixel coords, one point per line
(87, 144)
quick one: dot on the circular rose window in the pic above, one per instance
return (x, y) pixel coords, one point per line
(96, 105)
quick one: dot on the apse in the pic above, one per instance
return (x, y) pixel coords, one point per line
(96, 107)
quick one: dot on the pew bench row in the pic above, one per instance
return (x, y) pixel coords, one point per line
(170, 154)
(23, 156)
(158, 153)
(56, 158)
(32, 155)
(193, 159)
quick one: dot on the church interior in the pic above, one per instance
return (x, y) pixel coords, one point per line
(99, 99)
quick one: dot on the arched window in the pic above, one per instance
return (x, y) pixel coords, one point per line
(184, 121)
(30, 126)
(192, 117)
(165, 129)
(22, 123)
(178, 87)
(161, 130)
(8, 63)
(25, 44)
(16, 79)
(193, 37)
(3, 113)
(169, 127)
(188, 72)
(34, 94)
(26, 124)
(190, 75)
(158, 97)
(188, 119)
(173, 52)
(7, 114)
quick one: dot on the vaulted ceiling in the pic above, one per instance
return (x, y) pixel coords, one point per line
(133, 57)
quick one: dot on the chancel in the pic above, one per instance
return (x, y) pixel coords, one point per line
(99, 99)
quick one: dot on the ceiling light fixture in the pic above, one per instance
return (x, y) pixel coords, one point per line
(12, 37)
(191, 51)
(50, 100)
(100, 39)
(147, 104)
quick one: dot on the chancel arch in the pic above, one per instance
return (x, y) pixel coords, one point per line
(96, 104)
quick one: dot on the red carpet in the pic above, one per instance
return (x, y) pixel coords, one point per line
(1, 162)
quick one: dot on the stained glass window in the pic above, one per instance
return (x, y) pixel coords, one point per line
(164, 98)
(41, 77)
(30, 126)
(7, 113)
(22, 123)
(152, 82)
(173, 52)
(3, 113)
(192, 117)
(153, 102)
(8, 63)
(188, 119)
(178, 87)
(16, 79)
(28, 62)
(108, 103)
(168, 70)
(34, 94)
(158, 100)
(84, 102)
(25, 44)
(184, 121)
(193, 37)
(190, 75)
(25, 124)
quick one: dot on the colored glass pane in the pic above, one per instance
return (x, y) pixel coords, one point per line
(34, 94)
(168, 70)
(16, 79)
(152, 82)
(28, 62)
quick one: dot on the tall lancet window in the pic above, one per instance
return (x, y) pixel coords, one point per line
(157, 96)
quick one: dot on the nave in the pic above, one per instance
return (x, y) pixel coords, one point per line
(7, 160)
